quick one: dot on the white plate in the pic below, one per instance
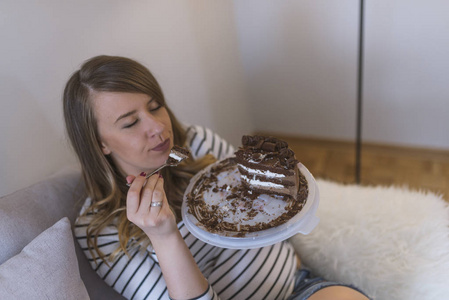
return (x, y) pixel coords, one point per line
(303, 222)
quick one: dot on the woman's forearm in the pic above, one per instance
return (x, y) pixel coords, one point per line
(183, 277)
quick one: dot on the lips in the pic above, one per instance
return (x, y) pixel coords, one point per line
(162, 146)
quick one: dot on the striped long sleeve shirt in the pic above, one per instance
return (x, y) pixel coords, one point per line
(263, 273)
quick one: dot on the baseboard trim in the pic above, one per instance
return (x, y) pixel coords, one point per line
(434, 153)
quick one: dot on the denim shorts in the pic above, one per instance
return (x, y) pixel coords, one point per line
(306, 284)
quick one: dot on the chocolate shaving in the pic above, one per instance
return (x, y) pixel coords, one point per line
(268, 146)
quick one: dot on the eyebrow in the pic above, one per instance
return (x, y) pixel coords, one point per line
(130, 112)
(125, 115)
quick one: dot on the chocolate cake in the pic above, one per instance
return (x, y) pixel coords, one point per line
(268, 166)
(231, 199)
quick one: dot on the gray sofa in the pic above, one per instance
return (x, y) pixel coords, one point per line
(27, 213)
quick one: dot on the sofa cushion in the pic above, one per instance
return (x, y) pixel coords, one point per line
(47, 268)
(29, 211)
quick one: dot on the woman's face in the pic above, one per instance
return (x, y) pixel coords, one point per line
(135, 130)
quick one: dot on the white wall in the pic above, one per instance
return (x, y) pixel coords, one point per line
(191, 47)
(300, 60)
(283, 66)
(407, 73)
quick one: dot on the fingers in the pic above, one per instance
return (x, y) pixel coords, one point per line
(133, 197)
(155, 220)
(143, 192)
(130, 179)
(159, 200)
(148, 194)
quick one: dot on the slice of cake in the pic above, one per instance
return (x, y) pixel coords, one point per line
(267, 166)
(177, 154)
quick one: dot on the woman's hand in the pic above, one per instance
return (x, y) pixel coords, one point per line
(148, 208)
(181, 273)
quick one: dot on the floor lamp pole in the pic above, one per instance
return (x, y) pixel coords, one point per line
(358, 149)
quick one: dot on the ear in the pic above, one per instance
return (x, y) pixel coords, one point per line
(105, 149)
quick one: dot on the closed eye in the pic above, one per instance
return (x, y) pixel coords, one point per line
(131, 125)
(156, 107)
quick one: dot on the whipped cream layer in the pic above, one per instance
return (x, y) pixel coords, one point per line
(265, 173)
(175, 156)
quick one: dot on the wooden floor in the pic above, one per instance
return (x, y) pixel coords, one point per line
(417, 169)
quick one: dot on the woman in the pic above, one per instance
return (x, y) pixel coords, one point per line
(121, 129)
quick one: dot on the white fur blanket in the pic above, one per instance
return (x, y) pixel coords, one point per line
(392, 243)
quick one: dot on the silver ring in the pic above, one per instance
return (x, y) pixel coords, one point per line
(156, 204)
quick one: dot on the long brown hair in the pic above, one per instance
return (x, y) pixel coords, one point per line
(105, 185)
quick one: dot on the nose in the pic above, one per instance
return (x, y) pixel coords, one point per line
(154, 126)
